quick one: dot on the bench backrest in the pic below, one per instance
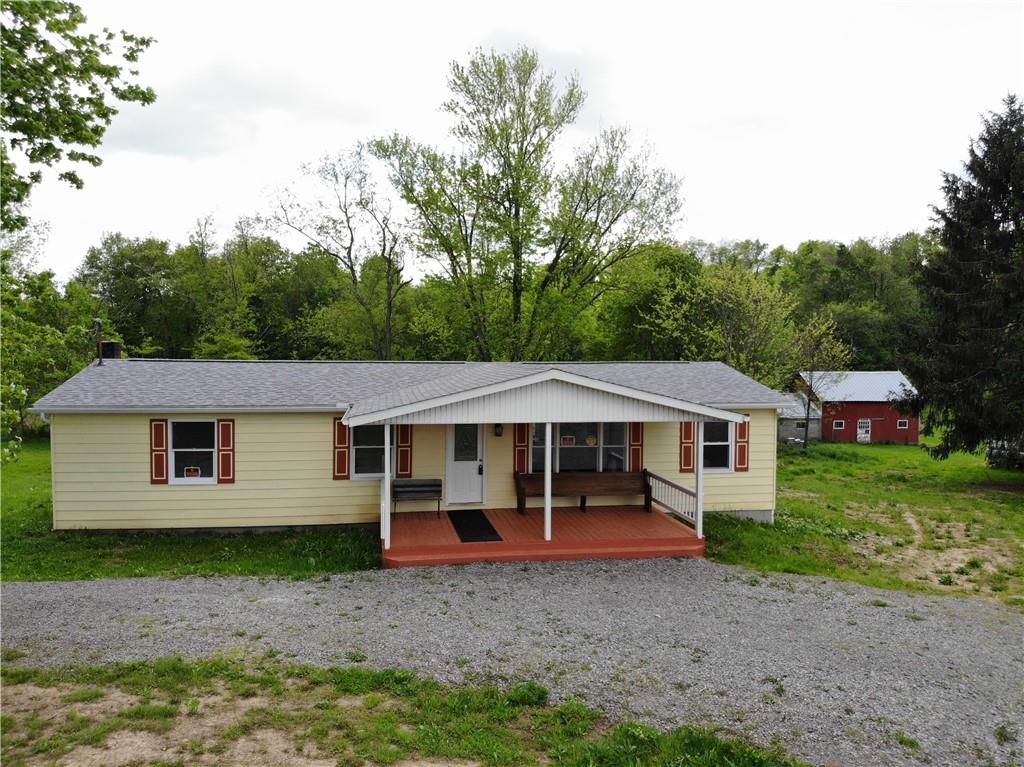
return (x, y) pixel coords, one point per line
(584, 483)
(415, 489)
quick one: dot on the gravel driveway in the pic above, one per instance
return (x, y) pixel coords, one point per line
(836, 673)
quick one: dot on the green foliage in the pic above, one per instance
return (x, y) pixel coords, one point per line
(724, 310)
(33, 551)
(730, 314)
(46, 336)
(868, 288)
(969, 364)
(60, 84)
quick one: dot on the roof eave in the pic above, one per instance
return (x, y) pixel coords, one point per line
(751, 405)
(110, 410)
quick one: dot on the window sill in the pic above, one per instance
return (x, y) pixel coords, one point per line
(203, 481)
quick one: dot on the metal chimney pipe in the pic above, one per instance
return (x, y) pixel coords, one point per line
(98, 329)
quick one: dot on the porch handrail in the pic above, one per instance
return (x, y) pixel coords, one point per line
(675, 498)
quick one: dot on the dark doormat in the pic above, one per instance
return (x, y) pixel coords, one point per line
(473, 526)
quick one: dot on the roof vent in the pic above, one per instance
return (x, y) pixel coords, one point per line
(110, 350)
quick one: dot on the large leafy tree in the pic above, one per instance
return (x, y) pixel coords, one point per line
(970, 368)
(525, 242)
(59, 85)
(47, 335)
(350, 220)
(728, 313)
(637, 288)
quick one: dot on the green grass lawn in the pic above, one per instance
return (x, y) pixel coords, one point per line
(32, 551)
(884, 515)
(236, 713)
(889, 516)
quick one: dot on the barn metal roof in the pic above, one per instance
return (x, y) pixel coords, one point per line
(858, 385)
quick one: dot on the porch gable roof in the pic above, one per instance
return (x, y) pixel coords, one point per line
(489, 406)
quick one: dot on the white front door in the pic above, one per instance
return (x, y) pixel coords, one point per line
(464, 477)
(864, 430)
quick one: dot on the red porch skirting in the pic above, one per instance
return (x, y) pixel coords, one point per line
(602, 532)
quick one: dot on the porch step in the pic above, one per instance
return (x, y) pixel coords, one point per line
(420, 556)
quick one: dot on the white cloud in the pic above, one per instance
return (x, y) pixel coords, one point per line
(221, 107)
(787, 120)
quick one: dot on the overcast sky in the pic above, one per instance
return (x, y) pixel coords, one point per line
(786, 121)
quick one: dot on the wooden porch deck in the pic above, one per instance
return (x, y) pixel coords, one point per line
(602, 532)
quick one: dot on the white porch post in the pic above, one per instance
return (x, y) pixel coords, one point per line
(699, 479)
(385, 491)
(547, 481)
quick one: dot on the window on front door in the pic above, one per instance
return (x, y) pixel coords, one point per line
(465, 446)
(580, 447)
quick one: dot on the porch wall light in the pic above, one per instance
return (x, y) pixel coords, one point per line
(498, 429)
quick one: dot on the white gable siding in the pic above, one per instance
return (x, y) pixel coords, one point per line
(555, 401)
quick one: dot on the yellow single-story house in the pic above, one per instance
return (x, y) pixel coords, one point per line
(454, 461)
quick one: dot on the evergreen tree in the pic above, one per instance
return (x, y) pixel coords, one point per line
(970, 367)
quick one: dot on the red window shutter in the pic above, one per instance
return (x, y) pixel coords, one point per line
(340, 450)
(158, 451)
(521, 447)
(225, 451)
(687, 446)
(404, 452)
(636, 447)
(742, 461)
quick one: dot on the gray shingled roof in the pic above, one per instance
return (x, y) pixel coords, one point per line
(148, 385)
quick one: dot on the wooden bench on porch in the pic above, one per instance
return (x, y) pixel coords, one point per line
(415, 490)
(582, 484)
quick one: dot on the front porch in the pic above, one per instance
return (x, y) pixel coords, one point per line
(601, 532)
(524, 443)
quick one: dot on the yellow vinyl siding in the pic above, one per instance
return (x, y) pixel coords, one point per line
(752, 490)
(283, 473)
(282, 476)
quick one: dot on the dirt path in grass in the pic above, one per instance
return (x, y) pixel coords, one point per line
(836, 672)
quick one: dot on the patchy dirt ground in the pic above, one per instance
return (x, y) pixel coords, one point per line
(939, 553)
(207, 730)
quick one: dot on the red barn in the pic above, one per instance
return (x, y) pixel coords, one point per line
(855, 406)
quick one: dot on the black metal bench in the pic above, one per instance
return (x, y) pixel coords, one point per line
(415, 490)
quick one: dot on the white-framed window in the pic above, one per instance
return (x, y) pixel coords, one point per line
(581, 447)
(368, 451)
(903, 423)
(193, 453)
(840, 424)
(718, 445)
